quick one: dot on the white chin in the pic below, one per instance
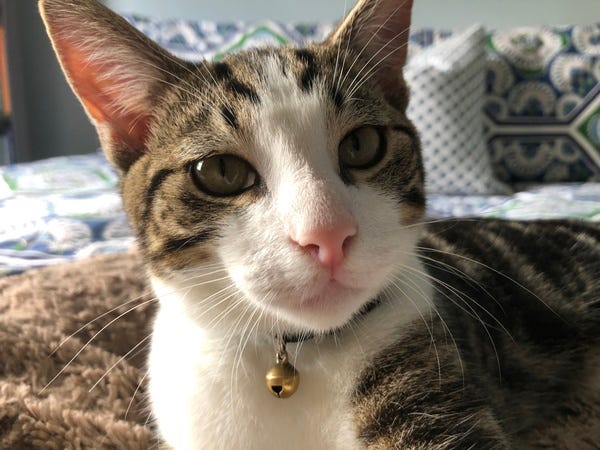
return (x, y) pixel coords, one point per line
(325, 312)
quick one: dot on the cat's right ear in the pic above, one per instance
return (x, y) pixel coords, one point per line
(116, 72)
(377, 33)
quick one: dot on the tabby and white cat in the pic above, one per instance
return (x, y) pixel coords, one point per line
(278, 194)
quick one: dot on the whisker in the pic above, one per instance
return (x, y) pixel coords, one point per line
(337, 56)
(461, 295)
(226, 295)
(474, 261)
(92, 339)
(473, 314)
(80, 329)
(429, 330)
(139, 385)
(119, 361)
(435, 310)
(240, 350)
(452, 270)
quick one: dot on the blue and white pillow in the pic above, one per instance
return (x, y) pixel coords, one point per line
(446, 81)
(543, 103)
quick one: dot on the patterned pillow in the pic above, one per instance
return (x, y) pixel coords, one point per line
(456, 160)
(543, 103)
(447, 87)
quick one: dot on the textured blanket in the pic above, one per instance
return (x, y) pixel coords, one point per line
(73, 320)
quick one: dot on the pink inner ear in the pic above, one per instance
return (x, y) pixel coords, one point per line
(106, 100)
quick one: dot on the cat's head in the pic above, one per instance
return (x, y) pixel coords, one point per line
(294, 173)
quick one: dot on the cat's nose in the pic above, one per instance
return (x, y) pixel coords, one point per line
(327, 244)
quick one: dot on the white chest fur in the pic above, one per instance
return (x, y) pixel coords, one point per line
(206, 394)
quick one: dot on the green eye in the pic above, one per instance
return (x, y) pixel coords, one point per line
(361, 149)
(223, 175)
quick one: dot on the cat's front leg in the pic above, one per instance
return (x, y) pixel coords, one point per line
(477, 431)
(417, 394)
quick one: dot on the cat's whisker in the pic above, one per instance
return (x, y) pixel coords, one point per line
(195, 276)
(429, 330)
(496, 271)
(459, 295)
(233, 354)
(354, 323)
(337, 56)
(422, 223)
(343, 72)
(218, 298)
(116, 308)
(360, 78)
(87, 324)
(137, 389)
(219, 91)
(237, 301)
(245, 336)
(203, 100)
(197, 93)
(434, 310)
(452, 270)
(135, 347)
(204, 283)
(92, 339)
(194, 92)
(204, 266)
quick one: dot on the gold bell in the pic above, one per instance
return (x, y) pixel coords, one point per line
(282, 379)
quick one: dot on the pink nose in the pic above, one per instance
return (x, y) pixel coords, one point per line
(327, 243)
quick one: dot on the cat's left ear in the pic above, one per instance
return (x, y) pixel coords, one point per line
(377, 31)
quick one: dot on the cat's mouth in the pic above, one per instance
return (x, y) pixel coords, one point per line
(327, 306)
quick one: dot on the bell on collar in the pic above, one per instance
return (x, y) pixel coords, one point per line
(282, 379)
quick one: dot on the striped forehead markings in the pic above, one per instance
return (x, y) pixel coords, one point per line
(230, 117)
(224, 74)
(311, 68)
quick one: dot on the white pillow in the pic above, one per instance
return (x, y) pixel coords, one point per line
(447, 87)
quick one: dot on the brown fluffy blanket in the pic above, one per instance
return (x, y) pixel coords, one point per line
(43, 308)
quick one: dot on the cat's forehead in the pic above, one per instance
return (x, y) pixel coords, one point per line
(262, 95)
(304, 63)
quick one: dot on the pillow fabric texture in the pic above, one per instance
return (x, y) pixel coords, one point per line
(543, 103)
(446, 83)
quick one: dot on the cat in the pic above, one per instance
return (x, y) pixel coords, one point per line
(278, 199)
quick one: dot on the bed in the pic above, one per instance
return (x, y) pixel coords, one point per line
(518, 138)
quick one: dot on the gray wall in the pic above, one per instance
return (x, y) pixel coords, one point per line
(437, 13)
(47, 118)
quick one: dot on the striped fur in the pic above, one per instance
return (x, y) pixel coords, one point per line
(512, 350)
(458, 334)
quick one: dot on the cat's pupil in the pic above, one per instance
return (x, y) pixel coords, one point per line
(222, 167)
(355, 144)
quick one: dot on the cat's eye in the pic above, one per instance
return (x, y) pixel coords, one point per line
(361, 149)
(223, 175)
